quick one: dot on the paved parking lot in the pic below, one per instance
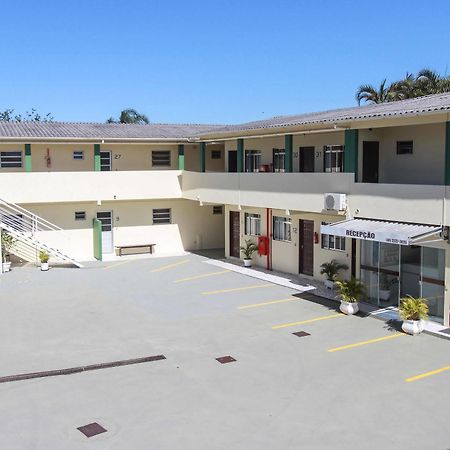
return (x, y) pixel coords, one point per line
(343, 386)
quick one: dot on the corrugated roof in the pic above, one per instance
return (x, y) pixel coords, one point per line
(67, 130)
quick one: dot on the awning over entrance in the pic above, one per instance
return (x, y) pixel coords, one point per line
(376, 230)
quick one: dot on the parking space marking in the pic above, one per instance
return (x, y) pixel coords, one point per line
(205, 275)
(118, 264)
(272, 302)
(427, 374)
(169, 266)
(245, 288)
(316, 319)
(370, 341)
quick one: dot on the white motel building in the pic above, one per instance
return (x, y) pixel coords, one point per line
(367, 186)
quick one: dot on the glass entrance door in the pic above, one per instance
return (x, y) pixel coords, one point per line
(410, 273)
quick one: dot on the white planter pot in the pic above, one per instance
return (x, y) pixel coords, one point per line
(329, 284)
(385, 294)
(44, 266)
(247, 262)
(412, 327)
(6, 266)
(349, 308)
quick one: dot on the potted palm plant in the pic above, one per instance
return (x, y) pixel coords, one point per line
(413, 311)
(331, 270)
(44, 257)
(247, 250)
(351, 292)
(7, 242)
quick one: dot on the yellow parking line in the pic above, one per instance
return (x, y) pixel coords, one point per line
(272, 302)
(169, 266)
(205, 275)
(370, 341)
(256, 286)
(316, 319)
(427, 374)
(118, 264)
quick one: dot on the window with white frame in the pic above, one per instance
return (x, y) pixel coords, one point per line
(80, 215)
(252, 160)
(162, 215)
(78, 154)
(333, 158)
(10, 159)
(252, 224)
(217, 209)
(278, 159)
(332, 242)
(161, 158)
(282, 228)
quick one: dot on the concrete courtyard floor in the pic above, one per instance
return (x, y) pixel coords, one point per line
(343, 386)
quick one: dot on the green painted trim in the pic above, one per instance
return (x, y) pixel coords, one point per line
(288, 153)
(202, 156)
(97, 157)
(181, 157)
(447, 154)
(97, 239)
(240, 155)
(351, 152)
(28, 163)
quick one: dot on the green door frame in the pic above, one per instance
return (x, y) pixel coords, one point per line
(97, 239)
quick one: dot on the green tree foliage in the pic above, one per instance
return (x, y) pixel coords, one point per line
(130, 116)
(9, 115)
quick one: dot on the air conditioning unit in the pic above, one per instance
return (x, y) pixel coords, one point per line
(335, 202)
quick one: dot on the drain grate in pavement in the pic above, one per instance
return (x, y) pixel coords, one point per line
(445, 330)
(301, 333)
(92, 429)
(225, 359)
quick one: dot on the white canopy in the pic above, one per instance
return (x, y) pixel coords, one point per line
(376, 230)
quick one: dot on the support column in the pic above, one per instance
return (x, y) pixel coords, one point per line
(28, 163)
(97, 157)
(351, 152)
(202, 156)
(240, 155)
(288, 153)
(181, 157)
(447, 154)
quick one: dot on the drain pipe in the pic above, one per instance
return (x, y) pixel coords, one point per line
(269, 237)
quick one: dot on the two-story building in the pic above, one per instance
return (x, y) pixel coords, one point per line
(366, 186)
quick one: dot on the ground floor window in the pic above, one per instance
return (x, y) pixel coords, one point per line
(281, 228)
(162, 215)
(252, 160)
(252, 224)
(333, 158)
(391, 271)
(332, 242)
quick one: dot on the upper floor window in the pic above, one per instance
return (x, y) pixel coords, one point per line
(216, 154)
(78, 154)
(404, 147)
(281, 228)
(278, 159)
(252, 160)
(332, 242)
(217, 209)
(80, 215)
(333, 158)
(162, 215)
(161, 158)
(10, 159)
(252, 224)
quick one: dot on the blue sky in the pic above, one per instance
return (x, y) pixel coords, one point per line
(210, 61)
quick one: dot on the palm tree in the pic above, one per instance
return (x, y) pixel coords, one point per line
(130, 115)
(370, 94)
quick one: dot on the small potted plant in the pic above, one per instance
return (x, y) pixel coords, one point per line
(247, 250)
(44, 257)
(351, 292)
(8, 243)
(331, 270)
(413, 311)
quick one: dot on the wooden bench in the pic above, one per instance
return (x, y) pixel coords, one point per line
(127, 247)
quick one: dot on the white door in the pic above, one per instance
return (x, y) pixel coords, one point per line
(105, 218)
(105, 161)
